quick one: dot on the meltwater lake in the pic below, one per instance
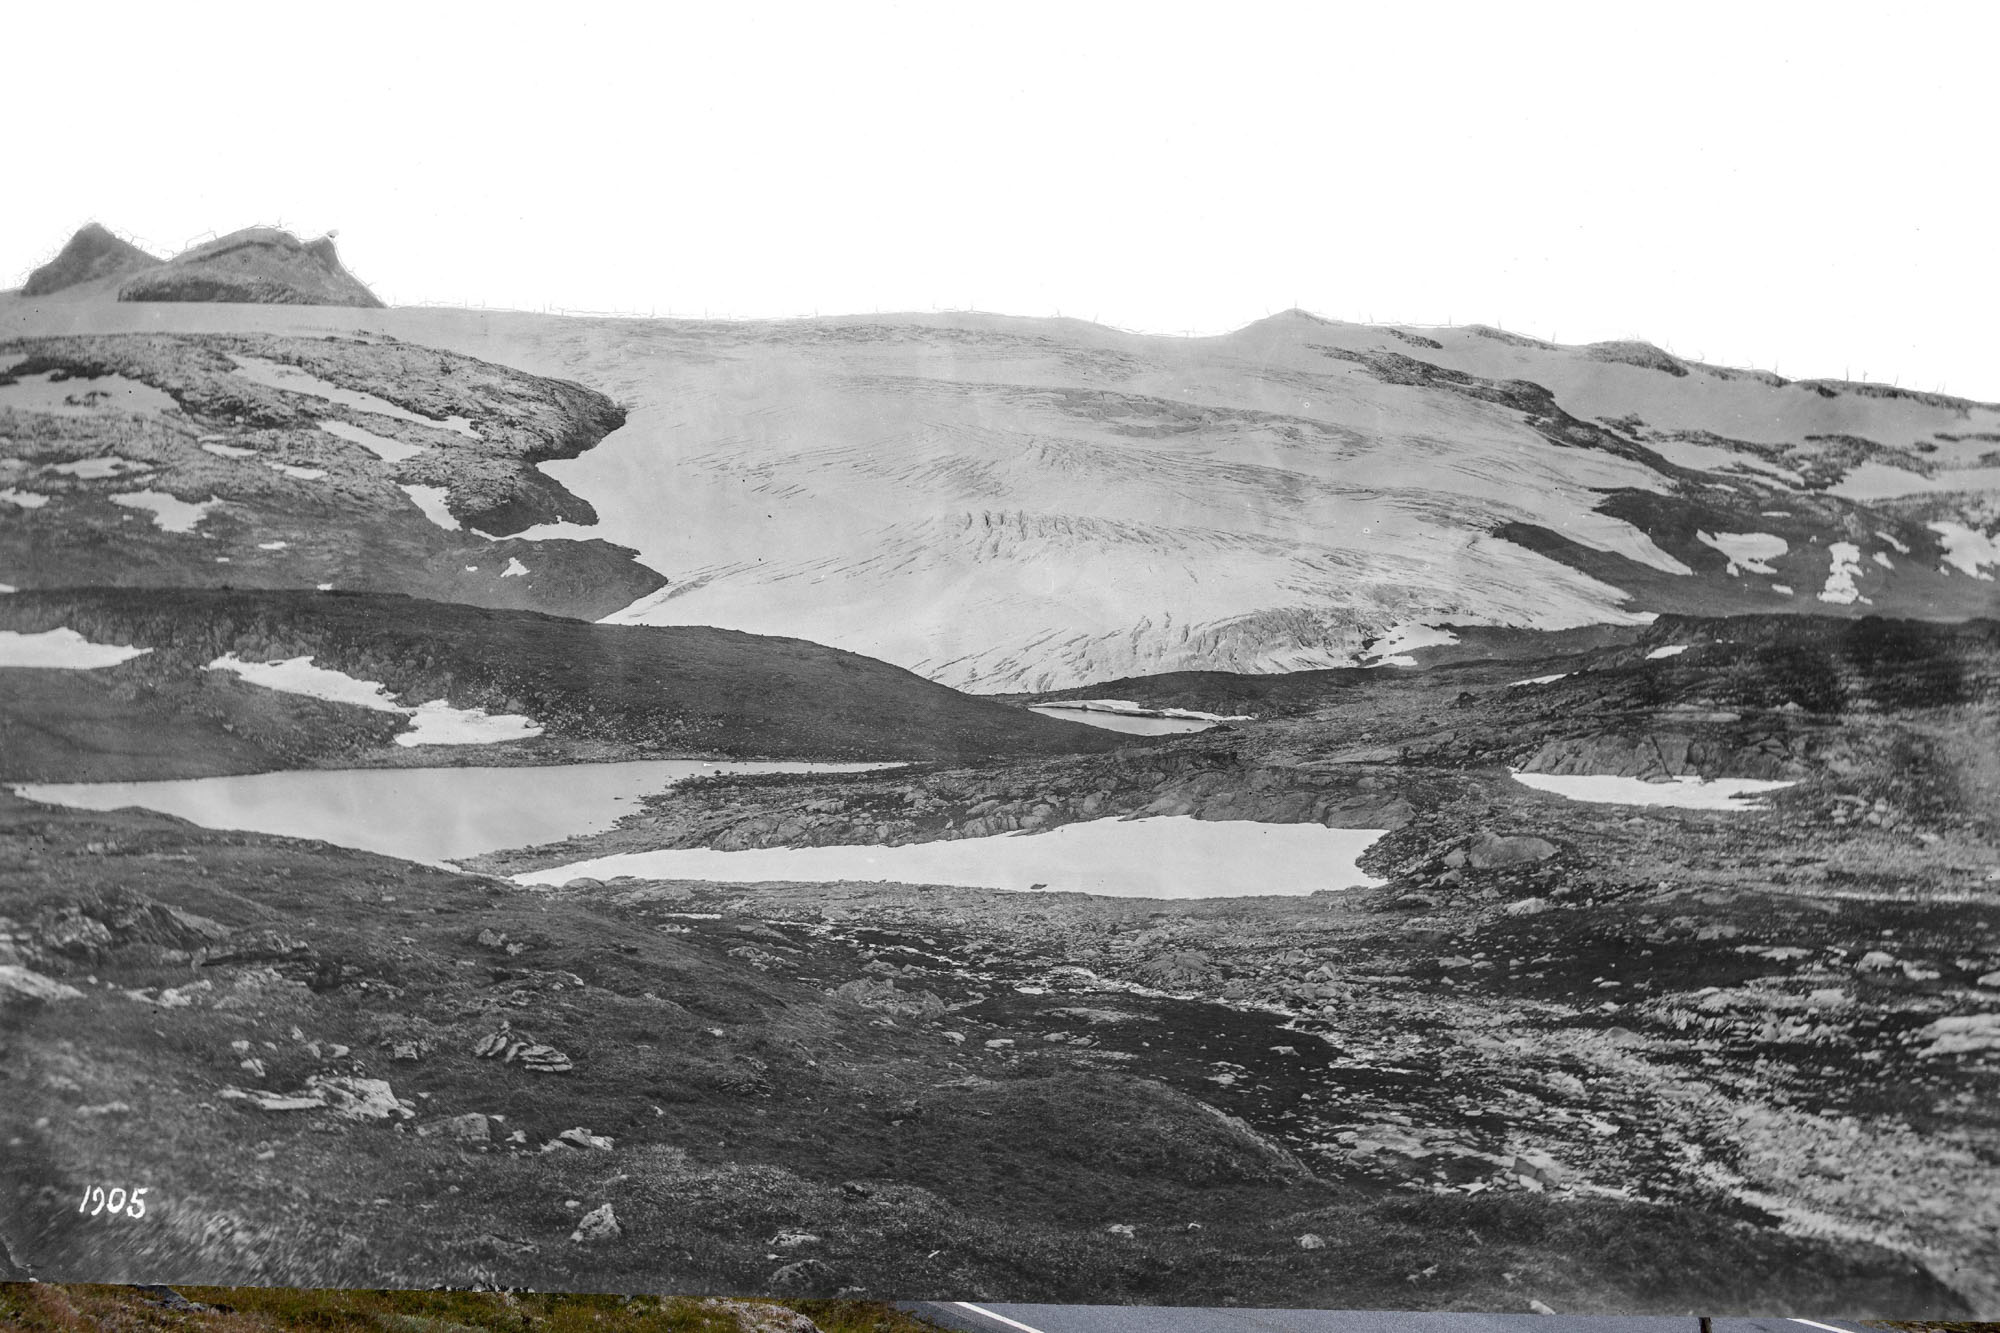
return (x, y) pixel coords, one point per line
(418, 814)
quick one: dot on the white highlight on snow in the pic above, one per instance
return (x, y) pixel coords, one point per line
(169, 513)
(384, 448)
(278, 375)
(97, 469)
(1840, 574)
(1671, 650)
(24, 499)
(1540, 680)
(63, 649)
(1685, 793)
(515, 569)
(434, 723)
(229, 450)
(1394, 648)
(438, 723)
(1746, 550)
(1176, 856)
(1968, 548)
(431, 499)
(298, 675)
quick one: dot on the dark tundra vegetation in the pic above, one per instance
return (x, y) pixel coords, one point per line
(1654, 1053)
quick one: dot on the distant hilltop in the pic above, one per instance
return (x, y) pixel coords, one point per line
(258, 265)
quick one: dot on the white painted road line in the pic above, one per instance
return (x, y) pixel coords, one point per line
(985, 1313)
(1814, 1323)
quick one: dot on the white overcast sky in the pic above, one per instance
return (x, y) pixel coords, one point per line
(1806, 187)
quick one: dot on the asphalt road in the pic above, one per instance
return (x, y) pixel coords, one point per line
(981, 1318)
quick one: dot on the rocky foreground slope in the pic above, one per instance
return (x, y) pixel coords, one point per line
(1600, 1058)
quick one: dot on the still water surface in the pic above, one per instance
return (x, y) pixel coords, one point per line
(419, 814)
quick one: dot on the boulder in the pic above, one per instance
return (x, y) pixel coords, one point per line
(360, 1098)
(599, 1224)
(472, 1127)
(1491, 851)
(276, 1101)
(20, 983)
(804, 1278)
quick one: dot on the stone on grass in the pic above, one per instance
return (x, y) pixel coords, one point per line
(472, 1127)
(20, 983)
(360, 1098)
(600, 1223)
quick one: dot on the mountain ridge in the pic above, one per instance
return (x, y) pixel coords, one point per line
(260, 265)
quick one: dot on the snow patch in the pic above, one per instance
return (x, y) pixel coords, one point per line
(229, 451)
(1671, 650)
(278, 375)
(431, 499)
(1881, 560)
(76, 396)
(515, 569)
(434, 723)
(1540, 680)
(438, 723)
(301, 473)
(1968, 548)
(97, 469)
(24, 499)
(169, 513)
(1394, 648)
(1784, 589)
(1684, 793)
(384, 448)
(62, 649)
(298, 675)
(1890, 538)
(1746, 550)
(1840, 575)
(272, 546)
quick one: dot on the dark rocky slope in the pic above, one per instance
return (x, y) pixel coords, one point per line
(92, 255)
(600, 691)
